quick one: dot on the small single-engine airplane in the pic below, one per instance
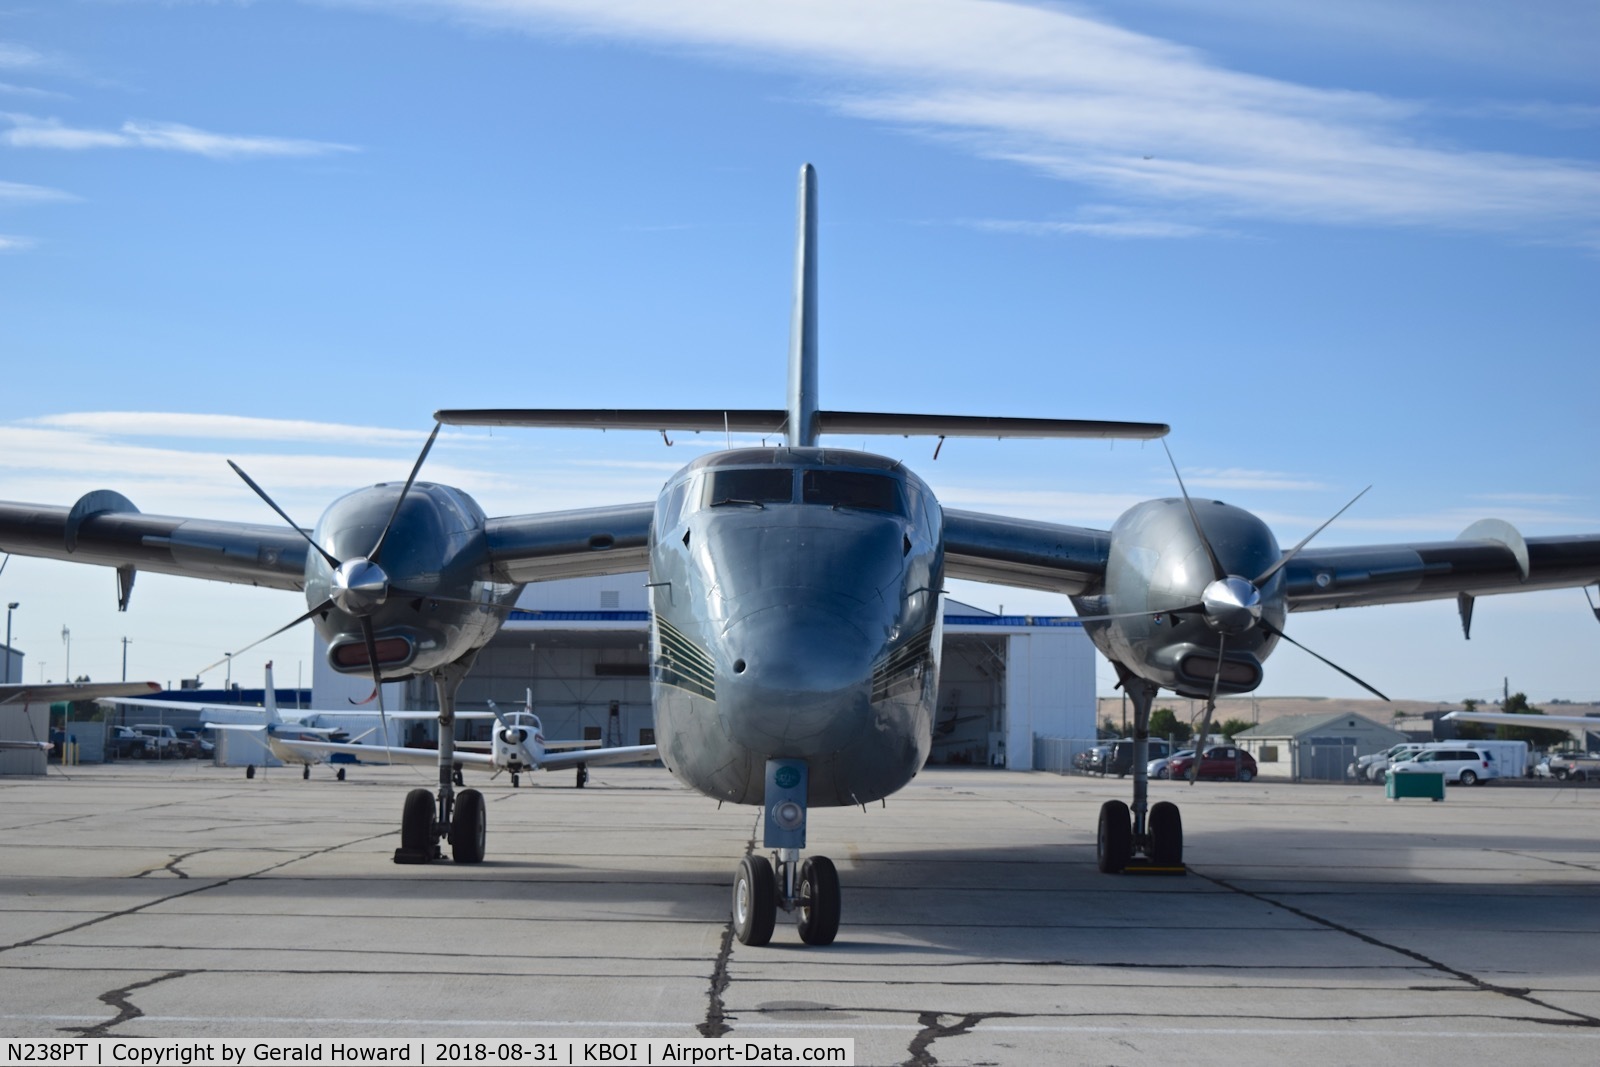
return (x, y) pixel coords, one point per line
(795, 596)
(517, 744)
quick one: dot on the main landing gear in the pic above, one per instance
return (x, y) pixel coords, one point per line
(1143, 837)
(429, 818)
(809, 889)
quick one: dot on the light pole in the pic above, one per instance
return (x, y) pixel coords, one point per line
(228, 683)
(66, 639)
(9, 609)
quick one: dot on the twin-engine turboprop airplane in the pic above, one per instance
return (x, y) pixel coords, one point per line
(795, 624)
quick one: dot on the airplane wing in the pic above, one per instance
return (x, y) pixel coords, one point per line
(775, 420)
(380, 754)
(104, 528)
(1024, 552)
(1509, 718)
(560, 761)
(1489, 557)
(22, 693)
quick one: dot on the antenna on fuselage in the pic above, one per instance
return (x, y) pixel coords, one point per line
(802, 428)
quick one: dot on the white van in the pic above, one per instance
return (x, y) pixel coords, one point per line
(1468, 766)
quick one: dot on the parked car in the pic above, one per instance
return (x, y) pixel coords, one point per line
(1365, 767)
(1157, 768)
(162, 742)
(1090, 760)
(123, 743)
(1577, 766)
(1119, 758)
(1468, 766)
(1220, 761)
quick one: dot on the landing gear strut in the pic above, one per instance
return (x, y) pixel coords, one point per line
(428, 818)
(1140, 837)
(810, 889)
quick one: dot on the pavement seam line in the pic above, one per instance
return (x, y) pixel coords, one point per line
(1576, 1018)
(187, 892)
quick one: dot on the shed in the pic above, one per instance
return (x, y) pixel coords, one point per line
(1314, 748)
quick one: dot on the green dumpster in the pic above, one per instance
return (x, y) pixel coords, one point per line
(1428, 784)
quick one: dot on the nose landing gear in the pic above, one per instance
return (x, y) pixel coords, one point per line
(809, 890)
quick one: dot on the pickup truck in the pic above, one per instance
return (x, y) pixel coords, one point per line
(162, 742)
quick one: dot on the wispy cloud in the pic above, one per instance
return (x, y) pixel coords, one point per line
(18, 193)
(1241, 478)
(1139, 118)
(1118, 229)
(29, 131)
(15, 244)
(224, 427)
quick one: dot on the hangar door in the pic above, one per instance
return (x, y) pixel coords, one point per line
(585, 685)
(971, 712)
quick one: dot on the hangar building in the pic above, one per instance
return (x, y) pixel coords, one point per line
(582, 647)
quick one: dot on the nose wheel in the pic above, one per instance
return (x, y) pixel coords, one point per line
(759, 891)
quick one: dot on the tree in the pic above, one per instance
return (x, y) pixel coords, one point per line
(1233, 726)
(1164, 723)
(1109, 728)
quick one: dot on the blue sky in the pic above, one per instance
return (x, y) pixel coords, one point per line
(1332, 245)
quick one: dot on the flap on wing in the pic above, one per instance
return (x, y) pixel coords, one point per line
(1024, 552)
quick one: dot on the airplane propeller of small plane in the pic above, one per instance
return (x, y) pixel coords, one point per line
(795, 601)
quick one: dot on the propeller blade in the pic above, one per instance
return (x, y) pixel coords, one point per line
(1211, 705)
(377, 549)
(262, 493)
(1279, 633)
(318, 610)
(377, 673)
(1217, 569)
(1267, 574)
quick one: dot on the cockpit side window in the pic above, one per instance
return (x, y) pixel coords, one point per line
(670, 507)
(759, 486)
(853, 489)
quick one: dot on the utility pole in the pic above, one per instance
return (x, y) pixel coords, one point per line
(13, 606)
(66, 638)
(124, 659)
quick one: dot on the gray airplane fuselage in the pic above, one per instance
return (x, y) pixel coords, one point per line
(796, 615)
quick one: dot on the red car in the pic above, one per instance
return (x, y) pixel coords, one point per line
(1221, 761)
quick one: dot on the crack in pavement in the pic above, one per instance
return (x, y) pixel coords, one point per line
(171, 866)
(921, 1045)
(127, 1010)
(716, 1024)
(1575, 1018)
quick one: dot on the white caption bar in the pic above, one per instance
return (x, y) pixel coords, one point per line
(510, 1052)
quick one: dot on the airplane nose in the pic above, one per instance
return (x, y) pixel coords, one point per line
(796, 680)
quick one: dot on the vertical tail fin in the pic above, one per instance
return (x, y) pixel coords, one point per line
(803, 325)
(269, 698)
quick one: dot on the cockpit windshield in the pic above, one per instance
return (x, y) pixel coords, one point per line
(853, 489)
(759, 486)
